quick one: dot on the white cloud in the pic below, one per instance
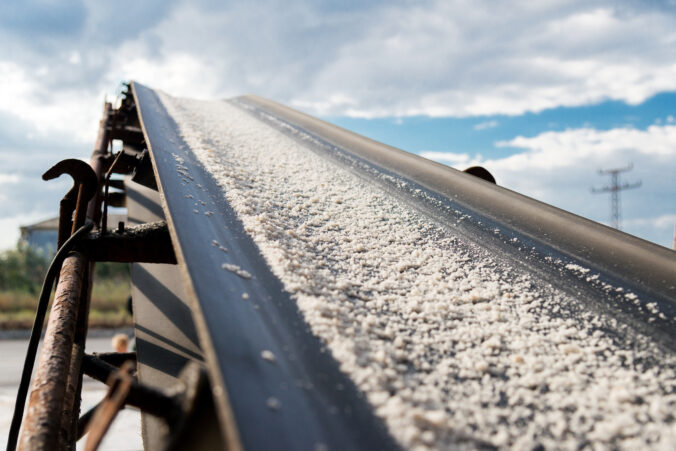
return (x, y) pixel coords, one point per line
(667, 222)
(436, 58)
(395, 59)
(568, 161)
(480, 58)
(485, 125)
(553, 150)
(560, 168)
(20, 96)
(8, 178)
(458, 160)
(180, 74)
(9, 226)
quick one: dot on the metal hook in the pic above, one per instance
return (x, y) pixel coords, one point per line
(85, 184)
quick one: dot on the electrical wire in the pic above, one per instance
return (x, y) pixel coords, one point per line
(36, 332)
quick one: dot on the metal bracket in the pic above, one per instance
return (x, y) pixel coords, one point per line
(145, 243)
(482, 173)
(143, 174)
(178, 410)
(120, 384)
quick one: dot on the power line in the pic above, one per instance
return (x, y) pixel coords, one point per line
(614, 189)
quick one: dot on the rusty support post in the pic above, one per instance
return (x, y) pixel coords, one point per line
(46, 401)
(98, 160)
(85, 186)
(66, 207)
(71, 410)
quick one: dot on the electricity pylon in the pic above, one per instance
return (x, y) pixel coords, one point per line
(614, 189)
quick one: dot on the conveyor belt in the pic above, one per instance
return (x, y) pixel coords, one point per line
(320, 404)
(639, 264)
(164, 331)
(544, 234)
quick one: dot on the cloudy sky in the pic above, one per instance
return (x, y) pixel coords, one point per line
(543, 94)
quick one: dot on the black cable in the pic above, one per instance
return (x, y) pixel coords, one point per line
(36, 332)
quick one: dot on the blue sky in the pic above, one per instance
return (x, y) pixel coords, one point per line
(478, 134)
(543, 94)
(490, 140)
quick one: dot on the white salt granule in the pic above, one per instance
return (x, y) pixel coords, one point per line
(452, 346)
(273, 403)
(577, 268)
(268, 355)
(237, 270)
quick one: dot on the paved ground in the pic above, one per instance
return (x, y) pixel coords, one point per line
(125, 433)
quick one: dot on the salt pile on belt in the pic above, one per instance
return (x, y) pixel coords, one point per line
(451, 345)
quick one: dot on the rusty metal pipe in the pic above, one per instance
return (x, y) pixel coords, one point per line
(71, 410)
(86, 187)
(54, 404)
(98, 158)
(84, 420)
(36, 332)
(66, 207)
(147, 398)
(46, 402)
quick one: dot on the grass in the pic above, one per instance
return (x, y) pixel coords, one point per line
(21, 319)
(21, 273)
(108, 308)
(110, 295)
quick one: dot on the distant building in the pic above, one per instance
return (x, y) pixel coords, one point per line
(43, 236)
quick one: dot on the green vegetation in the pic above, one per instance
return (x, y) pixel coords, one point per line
(21, 274)
(22, 270)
